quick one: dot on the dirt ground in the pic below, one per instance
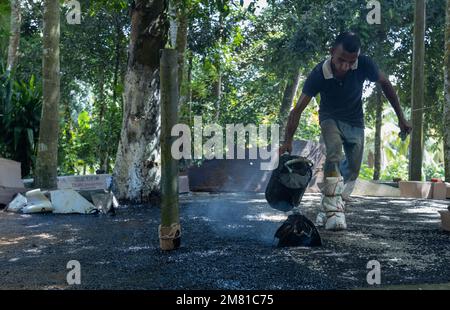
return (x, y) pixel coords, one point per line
(227, 243)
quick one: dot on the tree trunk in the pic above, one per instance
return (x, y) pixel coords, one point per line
(14, 38)
(288, 100)
(217, 85)
(68, 129)
(416, 145)
(189, 88)
(217, 93)
(370, 159)
(181, 43)
(447, 96)
(103, 135)
(173, 23)
(117, 73)
(378, 124)
(137, 173)
(47, 157)
(118, 57)
(104, 167)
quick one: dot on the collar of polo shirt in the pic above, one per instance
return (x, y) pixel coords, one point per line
(328, 72)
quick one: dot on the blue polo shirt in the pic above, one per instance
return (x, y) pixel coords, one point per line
(341, 99)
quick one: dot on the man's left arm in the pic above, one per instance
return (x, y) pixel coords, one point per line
(391, 95)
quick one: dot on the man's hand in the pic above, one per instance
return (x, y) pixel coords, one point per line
(286, 147)
(292, 123)
(391, 95)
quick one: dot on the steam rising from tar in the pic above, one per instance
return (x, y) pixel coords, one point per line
(242, 217)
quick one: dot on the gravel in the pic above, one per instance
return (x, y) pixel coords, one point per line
(227, 243)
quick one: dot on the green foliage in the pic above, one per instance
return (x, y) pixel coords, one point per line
(5, 12)
(87, 141)
(395, 153)
(366, 172)
(78, 146)
(253, 54)
(397, 168)
(19, 123)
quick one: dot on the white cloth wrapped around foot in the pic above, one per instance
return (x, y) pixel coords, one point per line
(332, 206)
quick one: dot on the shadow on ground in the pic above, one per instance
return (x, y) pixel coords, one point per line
(227, 243)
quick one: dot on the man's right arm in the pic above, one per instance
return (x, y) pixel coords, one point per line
(293, 121)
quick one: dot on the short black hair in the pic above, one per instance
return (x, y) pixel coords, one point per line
(349, 40)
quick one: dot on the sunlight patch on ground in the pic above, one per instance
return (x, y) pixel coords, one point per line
(136, 248)
(424, 210)
(236, 226)
(335, 254)
(254, 201)
(199, 254)
(4, 241)
(45, 236)
(203, 218)
(266, 217)
(33, 251)
(428, 221)
(54, 287)
(36, 226)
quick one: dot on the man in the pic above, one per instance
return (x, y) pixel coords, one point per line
(339, 80)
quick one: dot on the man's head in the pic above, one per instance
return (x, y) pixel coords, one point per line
(345, 52)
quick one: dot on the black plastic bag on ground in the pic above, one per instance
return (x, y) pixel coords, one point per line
(288, 182)
(298, 230)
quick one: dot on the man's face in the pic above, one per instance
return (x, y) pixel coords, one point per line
(342, 60)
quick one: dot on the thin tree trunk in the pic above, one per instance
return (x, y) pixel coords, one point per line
(47, 157)
(378, 124)
(189, 88)
(416, 145)
(137, 172)
(117, 72)
(217, 86)
(370, 159)
(14, 38)
(103, 149)
(218, 93)
(68, 132)
(181, 43)
(117, 54)
(105, 162)
(447, 96)
(288, 100)
(101, 99)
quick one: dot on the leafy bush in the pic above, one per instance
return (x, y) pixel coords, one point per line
(366, 172)
(20, 106)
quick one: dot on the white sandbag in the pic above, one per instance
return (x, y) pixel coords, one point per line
(69, 201)
(37, 202)
(17, 204)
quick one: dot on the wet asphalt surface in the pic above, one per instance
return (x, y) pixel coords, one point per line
(227, 243)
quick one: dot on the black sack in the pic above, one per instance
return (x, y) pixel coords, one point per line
(298, 230)
(288, 182)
